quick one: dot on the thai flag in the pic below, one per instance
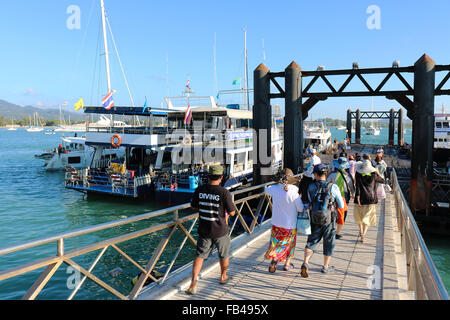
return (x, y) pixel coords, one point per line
(108, 102)
(187, 85)
(188, 115)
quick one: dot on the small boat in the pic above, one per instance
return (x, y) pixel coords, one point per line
(372, 131)
(74, 153)
(12, 128)
(37, 124)
(341, 128)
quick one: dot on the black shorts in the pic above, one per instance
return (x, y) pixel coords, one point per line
(206, 245)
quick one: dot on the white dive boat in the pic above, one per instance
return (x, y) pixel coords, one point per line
(341, 127)
(75, 153)
(442, 130)
(37, 127)
(316, 136)
(372, 131)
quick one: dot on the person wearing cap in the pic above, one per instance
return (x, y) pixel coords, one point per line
(286, 204)
(326, 232)
(366, 195)
(213, 202)
(340, 177)
(315, 160)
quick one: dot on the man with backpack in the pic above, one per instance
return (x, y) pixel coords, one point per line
(340, 177)
(323, 198)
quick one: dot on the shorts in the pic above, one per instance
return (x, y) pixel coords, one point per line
(206, 245)
(328, 233)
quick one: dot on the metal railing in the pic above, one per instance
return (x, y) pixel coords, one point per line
(423, 276)
(244, 200)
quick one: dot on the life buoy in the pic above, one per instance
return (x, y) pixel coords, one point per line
(116, 141)
(187, 140)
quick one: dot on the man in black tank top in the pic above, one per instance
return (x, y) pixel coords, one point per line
(213, 203)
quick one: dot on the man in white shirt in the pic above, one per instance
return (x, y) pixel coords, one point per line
(315, 160)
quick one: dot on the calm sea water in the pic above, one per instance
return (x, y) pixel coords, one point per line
(35, 204)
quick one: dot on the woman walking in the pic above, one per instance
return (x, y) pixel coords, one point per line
(366, 195)
(382, 171)
(286, 203)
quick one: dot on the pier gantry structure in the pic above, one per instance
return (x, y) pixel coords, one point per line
(392, 264)
(391, 115)
(417, 98)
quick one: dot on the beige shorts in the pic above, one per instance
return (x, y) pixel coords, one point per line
(366, 214)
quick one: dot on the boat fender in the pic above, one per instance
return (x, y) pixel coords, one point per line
(116, 141)
(187, 140)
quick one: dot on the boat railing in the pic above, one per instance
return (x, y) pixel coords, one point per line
(422, 275)
(250, 202)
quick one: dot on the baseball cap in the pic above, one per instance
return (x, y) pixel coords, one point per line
(320, 168)
(216, 171)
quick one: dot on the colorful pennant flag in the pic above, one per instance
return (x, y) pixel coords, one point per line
(187, 85)
(79, 105)
(236, 81)
(108, 101)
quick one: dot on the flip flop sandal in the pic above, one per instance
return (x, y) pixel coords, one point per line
(226, 281)
(304, 271)
(190, 292)
(327, 270)
(273, 267)
(288, 267)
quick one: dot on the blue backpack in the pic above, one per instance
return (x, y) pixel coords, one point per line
(322, 205)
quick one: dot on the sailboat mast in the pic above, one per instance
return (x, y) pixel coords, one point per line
(105, 40)
(246, 71)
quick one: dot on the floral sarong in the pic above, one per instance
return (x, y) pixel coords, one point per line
(282, 244)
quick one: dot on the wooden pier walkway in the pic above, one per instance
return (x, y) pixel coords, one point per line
(355, 264)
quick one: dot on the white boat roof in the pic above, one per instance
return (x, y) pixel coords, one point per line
(79, 140)
(232, 113)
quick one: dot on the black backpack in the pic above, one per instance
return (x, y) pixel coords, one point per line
(322, 205)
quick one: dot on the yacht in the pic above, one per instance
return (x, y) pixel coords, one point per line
(73, 153)
(372, 131)
(37, 127)
(316, 136)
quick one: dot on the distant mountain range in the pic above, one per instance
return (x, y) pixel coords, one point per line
(9, 110)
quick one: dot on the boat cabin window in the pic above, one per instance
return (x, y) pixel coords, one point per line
(438, 125)
(445, 125)
(74, 160)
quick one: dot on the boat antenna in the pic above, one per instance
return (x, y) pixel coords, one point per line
(246, 70)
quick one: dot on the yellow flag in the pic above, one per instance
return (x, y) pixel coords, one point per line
(79, 105)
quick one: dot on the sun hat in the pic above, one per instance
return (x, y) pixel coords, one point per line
(351, 157)
(365, 167)
(341, 163)
(313, 151)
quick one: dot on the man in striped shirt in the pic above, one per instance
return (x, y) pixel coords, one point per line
(213, 203)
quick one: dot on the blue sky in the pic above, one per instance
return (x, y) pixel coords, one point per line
(43, 63)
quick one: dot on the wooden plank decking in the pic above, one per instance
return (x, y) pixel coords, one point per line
(352, 259)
